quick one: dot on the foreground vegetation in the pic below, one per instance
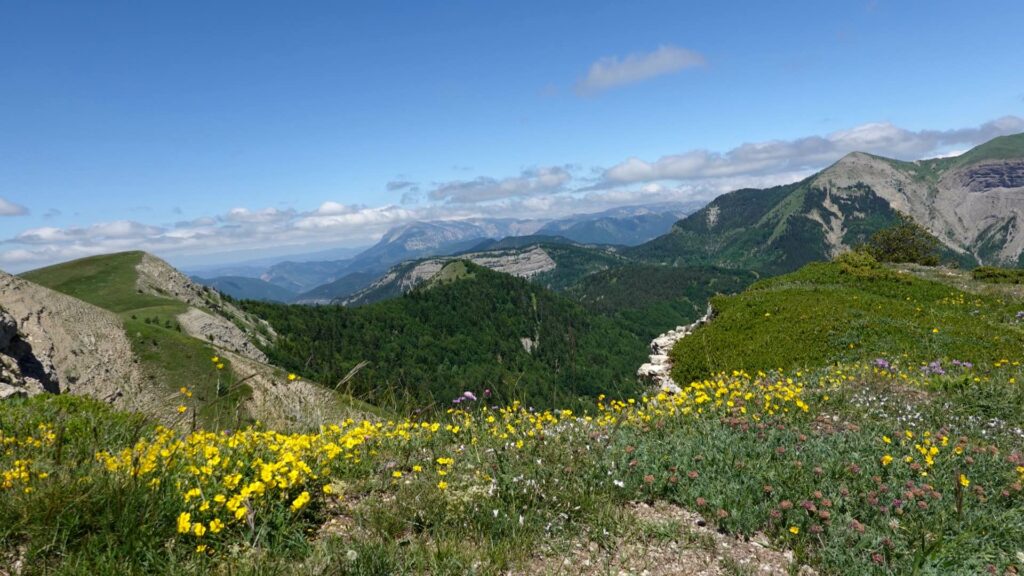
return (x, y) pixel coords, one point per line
(861, 418)
(867, 469)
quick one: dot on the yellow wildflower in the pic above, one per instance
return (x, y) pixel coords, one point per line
(300, 501)
(184, 523)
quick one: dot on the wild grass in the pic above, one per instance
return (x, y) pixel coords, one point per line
(860, 469)
(850, 310)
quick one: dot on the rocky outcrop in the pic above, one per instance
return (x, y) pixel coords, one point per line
(12, 383)
(159, 278)
(281, 403)
(992, 175)
(62, 345)
(658, 369)
(220, 332)
(210, 317)
(525, 263)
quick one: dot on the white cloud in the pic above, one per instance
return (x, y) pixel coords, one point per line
(244, 215)
(239, 228)
(610, 71)
(545, 192)
(8, 208)
(486, 189)
(812, 152)
(338, 219)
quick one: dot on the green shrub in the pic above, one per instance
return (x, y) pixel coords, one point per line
(905, 242)
(994, 275)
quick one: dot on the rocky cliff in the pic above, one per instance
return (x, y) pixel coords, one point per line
(56, 343)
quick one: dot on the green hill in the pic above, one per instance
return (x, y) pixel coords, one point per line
(767, 230)
(850, 310)
(170, 358)
(473, 329)
(151, 297)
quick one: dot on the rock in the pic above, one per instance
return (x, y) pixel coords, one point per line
(161, 279)
(66, 345)
(658, 370)
(528, 344)
(8, 329)
(8, 391)
(220, 332)
(524, 264)
(649, 370)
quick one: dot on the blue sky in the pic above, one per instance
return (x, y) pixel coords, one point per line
(198, 128)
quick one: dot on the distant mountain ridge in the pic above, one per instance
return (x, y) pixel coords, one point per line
(973, 203)
(625, 226)
(319, 280)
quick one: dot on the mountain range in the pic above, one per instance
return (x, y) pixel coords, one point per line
(311, 280)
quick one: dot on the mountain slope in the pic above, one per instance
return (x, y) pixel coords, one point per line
(973, 203)
(774, 230)
(174, 327)
(406, 242)
(850, 310)
(475, 329)
(649, 300)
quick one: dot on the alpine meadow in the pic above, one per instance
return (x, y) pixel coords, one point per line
(511, 289)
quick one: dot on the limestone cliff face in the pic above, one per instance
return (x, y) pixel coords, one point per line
(975, 208)
(56, 343)
(524, 263)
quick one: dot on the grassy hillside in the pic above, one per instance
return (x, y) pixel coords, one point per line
(169, 358)
(464, 332)
(849, 310)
